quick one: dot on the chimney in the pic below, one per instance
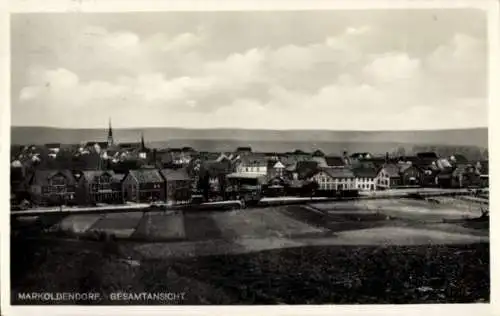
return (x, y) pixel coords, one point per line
(386, 157)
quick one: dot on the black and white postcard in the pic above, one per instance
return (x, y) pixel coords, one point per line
(276, 156)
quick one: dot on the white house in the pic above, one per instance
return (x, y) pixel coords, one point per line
(365, 178)
(252, 164)
(335, 179)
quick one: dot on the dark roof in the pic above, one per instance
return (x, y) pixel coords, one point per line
(208, 156)
(255, 159)
(294, 183)
(215, 168)
(175, 174)
(412, 159)
(339, 172)
(306, 168)
(41, 177)
(147, 175)
(90, 175)
(188, 149)
(129, 145)
(53, 145)
(427, 155)
(363, 172)
(378, 162)
(243, 149)
(365, 164)
(103, 145)
(334, 161)
(317, 153)
(392, 169)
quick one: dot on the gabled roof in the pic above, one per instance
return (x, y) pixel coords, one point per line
(334, 161)
(90, 175)
(278, 165)
(363, 172)
(338, 172)
(254, 160)
(175, 174)
(147, 175)
(41, 177)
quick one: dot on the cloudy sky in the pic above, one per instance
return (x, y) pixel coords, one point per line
(337, 70)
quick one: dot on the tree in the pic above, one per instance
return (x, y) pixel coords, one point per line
(318, 153)
(485, 154)
(204, 183)
(222, 184)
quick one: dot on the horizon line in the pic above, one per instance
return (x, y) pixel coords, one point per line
(248, 129)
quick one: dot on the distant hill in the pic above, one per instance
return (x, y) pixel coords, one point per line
(261, 140)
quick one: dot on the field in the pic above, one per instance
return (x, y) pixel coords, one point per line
(377, 251)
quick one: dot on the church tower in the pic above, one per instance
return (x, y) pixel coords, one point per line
(110, 135)
(143, 146)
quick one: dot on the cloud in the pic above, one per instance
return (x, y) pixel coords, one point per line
(392, 67)
(347, 80)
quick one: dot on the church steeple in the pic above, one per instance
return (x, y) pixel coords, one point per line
(143, 147)
(110, 134)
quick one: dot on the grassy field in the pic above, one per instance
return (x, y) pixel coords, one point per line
(382, 251)
(304, 275)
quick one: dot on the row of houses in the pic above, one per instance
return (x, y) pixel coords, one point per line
(227, 174)
(56, 187)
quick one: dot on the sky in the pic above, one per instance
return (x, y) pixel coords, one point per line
(334, 70)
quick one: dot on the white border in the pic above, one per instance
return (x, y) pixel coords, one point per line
(25, 6)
